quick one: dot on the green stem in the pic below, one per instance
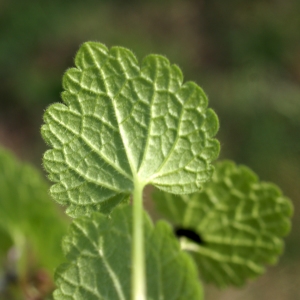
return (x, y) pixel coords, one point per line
(138, 279)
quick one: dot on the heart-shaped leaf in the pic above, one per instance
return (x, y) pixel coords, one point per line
(237, 222)
(124, 125)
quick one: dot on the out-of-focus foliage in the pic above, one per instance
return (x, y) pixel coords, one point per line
(257, 32)
(27, 214)
(31, 226)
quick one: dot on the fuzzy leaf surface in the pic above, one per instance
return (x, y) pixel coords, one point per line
(240, 220)
(98, 249)
(28, 217)
(123, 123)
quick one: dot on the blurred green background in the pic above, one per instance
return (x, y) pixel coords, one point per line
(245, 55)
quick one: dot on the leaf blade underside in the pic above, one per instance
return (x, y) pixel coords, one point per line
(121, 123)
(240, 220)
(99, 261)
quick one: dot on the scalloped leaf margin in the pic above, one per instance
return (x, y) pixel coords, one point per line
(123, 124)
(240, 220)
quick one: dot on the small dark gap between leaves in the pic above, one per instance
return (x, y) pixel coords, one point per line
(190, 234)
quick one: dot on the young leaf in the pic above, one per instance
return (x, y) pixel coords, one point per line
(27, 214)
(98, 250)
(239, 222)
(124, 125)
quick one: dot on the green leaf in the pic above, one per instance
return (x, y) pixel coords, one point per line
(123, 124)
(99, 252)
(28, 217)
(5, 243)
(239, 220)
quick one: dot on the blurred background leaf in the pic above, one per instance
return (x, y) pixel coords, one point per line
(245, 55)
(31, 227)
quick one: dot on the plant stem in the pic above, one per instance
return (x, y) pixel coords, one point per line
(138, 279)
